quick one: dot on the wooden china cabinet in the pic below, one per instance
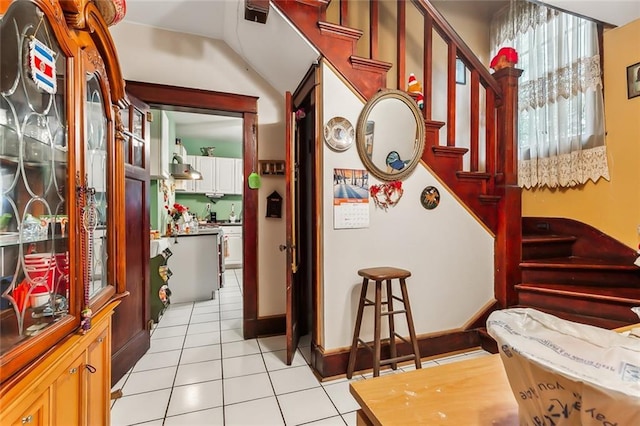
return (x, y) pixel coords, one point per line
(61, 211)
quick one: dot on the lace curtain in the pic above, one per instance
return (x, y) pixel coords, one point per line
(561, 113)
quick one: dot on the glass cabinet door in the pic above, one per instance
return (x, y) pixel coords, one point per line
(94, 220)
(135, 130)
(35, 293)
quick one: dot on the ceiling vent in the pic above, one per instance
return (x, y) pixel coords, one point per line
(256, 10)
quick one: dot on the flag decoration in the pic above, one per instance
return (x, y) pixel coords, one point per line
(43, 66)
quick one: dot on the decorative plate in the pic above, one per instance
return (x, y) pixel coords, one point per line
(339, 133)
(430, 197)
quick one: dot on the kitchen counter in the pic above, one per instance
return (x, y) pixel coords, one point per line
(195, 265)
(202, 231)
(157, 246)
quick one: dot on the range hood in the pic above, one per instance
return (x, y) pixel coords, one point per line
(181, 170)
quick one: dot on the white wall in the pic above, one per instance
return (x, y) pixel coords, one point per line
(158, 56)
(448, 252)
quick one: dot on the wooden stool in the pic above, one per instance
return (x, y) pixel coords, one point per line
(379, 275)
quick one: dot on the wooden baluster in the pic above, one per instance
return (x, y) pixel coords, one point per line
(490, 129)
(427, 82)
(344, 13)
(475, 119)
(451, 94)
(373, 27)
(402, 43)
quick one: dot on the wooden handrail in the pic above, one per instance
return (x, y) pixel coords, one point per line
(464, 52)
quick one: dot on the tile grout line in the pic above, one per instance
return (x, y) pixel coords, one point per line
(173, 384)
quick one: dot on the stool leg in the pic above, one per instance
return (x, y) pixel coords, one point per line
(412, 332)
(356, 332)
(392, 330)
(376, 330)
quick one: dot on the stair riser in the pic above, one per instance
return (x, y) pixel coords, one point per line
(587, 319)
(600, 278)
(545, 251)
(609, 310)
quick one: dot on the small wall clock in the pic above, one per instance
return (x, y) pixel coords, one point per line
(339, 134)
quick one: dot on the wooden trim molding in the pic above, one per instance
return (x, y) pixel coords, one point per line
(334, 363)
(190, 99)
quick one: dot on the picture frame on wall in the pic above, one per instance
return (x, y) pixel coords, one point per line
(633, 80)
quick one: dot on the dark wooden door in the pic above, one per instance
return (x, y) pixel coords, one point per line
(131, 330)
(293, 331)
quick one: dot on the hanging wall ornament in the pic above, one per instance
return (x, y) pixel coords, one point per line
(386, 194)
(430, 197)
(43, 66)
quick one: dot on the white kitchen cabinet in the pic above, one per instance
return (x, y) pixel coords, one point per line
(233, 254)
(239, 176)
(225, 175)
(159, 149)
(207, 167)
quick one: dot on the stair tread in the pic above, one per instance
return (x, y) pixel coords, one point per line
(573, 262)
(360, 62)
(613, 292)
(473, 175)
(341, 30)
(549, 238)
(449, 150)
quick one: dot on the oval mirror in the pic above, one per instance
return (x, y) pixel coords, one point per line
(390, 135)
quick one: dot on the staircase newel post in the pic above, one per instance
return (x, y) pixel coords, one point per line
(508, 242)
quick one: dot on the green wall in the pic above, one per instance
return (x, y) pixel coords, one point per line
(197, 204)
(222, 148)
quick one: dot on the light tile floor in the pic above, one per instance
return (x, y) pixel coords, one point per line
(200, 371)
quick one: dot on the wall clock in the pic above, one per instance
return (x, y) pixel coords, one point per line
(339, 134)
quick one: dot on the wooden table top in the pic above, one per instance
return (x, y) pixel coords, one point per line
(470, 392)
(473, 392)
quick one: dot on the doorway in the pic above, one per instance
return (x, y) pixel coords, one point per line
(184, 99)
(303, 307)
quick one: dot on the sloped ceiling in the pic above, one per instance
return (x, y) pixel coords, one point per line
(274, 50)
(613, 12)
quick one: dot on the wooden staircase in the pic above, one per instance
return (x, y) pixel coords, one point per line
(573, 271)
(487, 185)
(558, 266)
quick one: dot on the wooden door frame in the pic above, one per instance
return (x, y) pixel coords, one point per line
(191, 100)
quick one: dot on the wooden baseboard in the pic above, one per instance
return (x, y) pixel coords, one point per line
(126, 357)
(335, 363)
(264, 326)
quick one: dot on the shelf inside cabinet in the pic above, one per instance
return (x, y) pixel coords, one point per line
(272, 167)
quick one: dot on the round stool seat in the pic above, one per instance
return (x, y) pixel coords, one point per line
(382, 273)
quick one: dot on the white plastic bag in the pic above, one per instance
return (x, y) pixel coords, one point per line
(565, 373)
